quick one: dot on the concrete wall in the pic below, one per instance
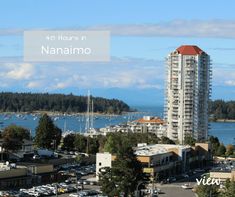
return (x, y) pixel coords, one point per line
(222, 175)
(41, 169)
(102, 160)
(13, 173)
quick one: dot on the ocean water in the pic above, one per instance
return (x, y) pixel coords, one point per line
(224, 131)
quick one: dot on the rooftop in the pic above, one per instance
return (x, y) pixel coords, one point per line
(155, 149)
(150, 119)
(189, 50)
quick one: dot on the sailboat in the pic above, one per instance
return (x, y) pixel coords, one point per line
(89, 128)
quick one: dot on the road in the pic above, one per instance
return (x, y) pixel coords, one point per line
(168, 190)
(174, 190)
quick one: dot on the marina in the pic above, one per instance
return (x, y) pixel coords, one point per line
(77, 122)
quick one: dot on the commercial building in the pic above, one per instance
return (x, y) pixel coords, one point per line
(26, 148)
(164, 160)
(187, 92)
(24, 174)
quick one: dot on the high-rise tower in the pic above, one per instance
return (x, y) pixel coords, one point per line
(187, 92)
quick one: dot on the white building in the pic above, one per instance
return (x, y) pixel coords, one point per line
(102, 160)
(148, 124)
(188, 90)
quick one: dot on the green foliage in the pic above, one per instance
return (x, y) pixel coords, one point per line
(47, 133)
(101, 141)
(124, 175)
(229, 190)
(80, 143)
(189, 140)
(13, 137)
(214, 144)
(115, 141)
(229, 150)
(207, 190)
(221, 150)
(222, 109)
(166, 140)
(68, 142)
(28, 102)
(93, 145)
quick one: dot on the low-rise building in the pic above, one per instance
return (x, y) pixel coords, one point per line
(102, 160)
(164, 160)
(24, 174)
(26, 148)
(223, 175)
(148, 124)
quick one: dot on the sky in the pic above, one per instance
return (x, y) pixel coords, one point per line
(143, 33)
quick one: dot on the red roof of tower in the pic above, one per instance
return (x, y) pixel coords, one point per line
(189, 50)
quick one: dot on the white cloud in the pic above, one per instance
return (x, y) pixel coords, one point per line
(175, 28)
(20, 71)
(34, 84)
(230, 82)
(128, 72)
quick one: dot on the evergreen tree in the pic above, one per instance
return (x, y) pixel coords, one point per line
(47, 134)
(221, 150)
(124, 175)
(68, 142)
(189, 140)
(80, 143)
(214, 143)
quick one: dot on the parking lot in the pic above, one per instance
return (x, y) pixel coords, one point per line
(77, 181)
(82, 181)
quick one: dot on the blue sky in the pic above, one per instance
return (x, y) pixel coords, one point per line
(142, 34)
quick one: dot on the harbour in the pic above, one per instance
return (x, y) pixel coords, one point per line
(225, 131)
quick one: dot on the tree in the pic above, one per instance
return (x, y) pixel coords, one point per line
(47, 134)
(166, 140)
(80, 143)
(13, 137)
(229, 150)
(229, 190)
(221, 150)
(124, 175)
(207, 190)
(68, 142)
(101, 140)
(189, 140)
(27, 102)
(93, 145)
(111, 143)
(214, 143)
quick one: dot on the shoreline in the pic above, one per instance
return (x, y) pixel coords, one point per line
(50, 113)
(224, 120)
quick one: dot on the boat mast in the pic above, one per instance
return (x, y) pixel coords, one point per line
(92, 114)
(87, 129)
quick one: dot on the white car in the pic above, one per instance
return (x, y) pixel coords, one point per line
(74, 195)
(186, 186)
